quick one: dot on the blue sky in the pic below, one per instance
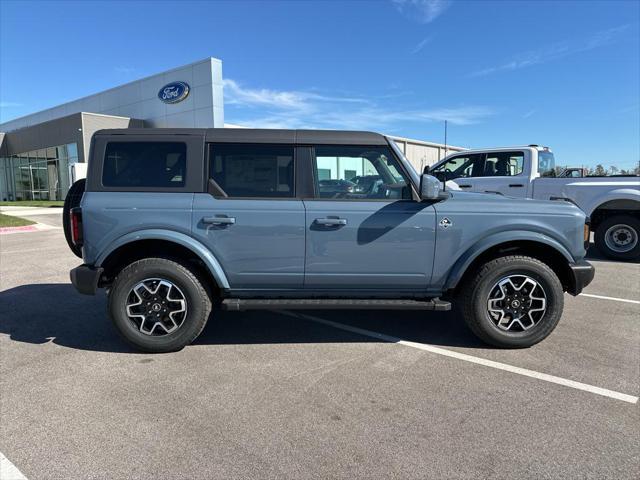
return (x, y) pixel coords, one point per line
(560, 73)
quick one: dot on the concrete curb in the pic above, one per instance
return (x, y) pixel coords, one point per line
(22, 211)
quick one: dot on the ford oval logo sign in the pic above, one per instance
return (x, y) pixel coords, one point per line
(174, 92)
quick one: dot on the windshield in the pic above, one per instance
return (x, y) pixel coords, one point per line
(546, 164)
(415, 178)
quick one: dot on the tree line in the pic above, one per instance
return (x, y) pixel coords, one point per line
(601, 171)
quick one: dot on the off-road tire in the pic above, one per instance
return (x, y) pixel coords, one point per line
(181, 275)
(631, 222)
(475, 292)
(72, 200)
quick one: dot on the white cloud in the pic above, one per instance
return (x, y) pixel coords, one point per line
(420, 45)
(281, 99)
(247, 96)
(267, 108)
(10, 104)
(423, 11)
(122, 69)
(465, 115)
(634, 107)
(556, 51)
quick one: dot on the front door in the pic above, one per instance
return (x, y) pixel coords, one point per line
(364, 230)
(250, 218)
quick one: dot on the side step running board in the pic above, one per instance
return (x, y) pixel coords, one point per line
(239, 304)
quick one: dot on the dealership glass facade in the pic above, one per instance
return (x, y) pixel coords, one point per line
(37, 175)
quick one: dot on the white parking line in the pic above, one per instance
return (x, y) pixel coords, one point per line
(477, 360)
(8, 471)
(615, 299)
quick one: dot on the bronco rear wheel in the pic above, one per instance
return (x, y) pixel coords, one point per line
(513, 302)
(159, 305)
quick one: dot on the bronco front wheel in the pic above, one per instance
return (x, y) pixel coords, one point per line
(513, 302)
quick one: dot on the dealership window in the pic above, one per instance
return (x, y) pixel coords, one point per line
(253, 170)
(41, 174)
(503, 164)
(359, 173)
(144, 164)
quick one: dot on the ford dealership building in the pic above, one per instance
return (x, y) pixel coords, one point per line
(37, 151)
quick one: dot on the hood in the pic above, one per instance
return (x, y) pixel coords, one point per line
(502, 203)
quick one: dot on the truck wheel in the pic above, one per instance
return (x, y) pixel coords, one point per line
(72, 200)
(159, 305)
(618, 237)
(513, 302)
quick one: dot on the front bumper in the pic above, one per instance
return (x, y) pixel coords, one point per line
(581, 275)
(85, 278)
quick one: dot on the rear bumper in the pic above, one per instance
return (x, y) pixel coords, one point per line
(85, 278)
(581, 275)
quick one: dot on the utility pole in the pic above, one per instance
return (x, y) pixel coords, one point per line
(445, 138)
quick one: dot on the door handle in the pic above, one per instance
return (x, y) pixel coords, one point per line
(219, 220)
(464, 186)
(331, 222)
(513, 185)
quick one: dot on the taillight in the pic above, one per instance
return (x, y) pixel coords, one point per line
(587, 233)
(76, 226)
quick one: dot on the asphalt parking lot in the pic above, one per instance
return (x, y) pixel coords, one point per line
(314, 395)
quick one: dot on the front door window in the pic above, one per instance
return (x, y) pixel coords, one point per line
(462, 166)
(359, 173)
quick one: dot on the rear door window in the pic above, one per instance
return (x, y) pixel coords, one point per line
(145, 164)
(503, 164)
(253, 171)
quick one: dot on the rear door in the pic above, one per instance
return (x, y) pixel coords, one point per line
(250, 217)
(378, 238)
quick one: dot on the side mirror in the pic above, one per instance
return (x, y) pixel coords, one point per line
(425, 170)
(429, 187)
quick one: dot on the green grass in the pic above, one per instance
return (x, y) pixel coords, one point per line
(8, 221)
(33, 203)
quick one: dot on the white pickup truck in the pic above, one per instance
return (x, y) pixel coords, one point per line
(612, 203)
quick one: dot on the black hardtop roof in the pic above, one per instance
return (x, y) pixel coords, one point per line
(261, 135)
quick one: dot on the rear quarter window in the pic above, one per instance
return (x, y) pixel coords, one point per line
(145, 164)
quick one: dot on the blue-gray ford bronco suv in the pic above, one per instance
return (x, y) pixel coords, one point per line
(174, 223)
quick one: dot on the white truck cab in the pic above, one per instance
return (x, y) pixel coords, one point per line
(612, 203)
(506, 170)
